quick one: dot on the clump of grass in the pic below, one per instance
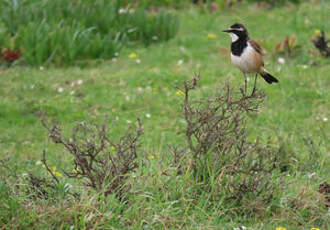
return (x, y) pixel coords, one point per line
(62, 32)
(160, 3)
(276, 2)
(160, 28)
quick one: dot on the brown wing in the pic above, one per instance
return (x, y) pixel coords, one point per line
(258, 54)
(256, 46)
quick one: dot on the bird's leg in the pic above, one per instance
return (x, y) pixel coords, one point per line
(245, 82)
(255, 85)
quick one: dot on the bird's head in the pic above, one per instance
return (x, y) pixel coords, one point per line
(237, 31)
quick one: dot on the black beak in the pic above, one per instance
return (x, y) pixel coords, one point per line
(226, 31)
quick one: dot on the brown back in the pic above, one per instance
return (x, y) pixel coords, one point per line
(256, 46)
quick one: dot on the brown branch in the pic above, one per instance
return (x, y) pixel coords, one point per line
(44, 161)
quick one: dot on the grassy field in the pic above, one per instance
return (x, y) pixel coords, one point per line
(141, 82)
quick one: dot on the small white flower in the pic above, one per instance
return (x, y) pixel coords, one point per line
(140, 90)
(127, 98)
(72, 92)
(148, 87)
(41, 68)
(148, 115)
(32, 86)
(114, 59)
(281, 60)
(180, 62)
(116, 54)
(138, 61)
(247, 79)
(325, 119)
(79, 82)
(60, 89)
(128, 121)
(154, 38)
(310, 175)
(122, 11)
(38, 162)
(304, 66)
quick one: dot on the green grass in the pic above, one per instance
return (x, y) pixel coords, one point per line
(295, 110)
(62, 32)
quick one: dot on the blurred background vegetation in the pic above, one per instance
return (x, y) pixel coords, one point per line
(64, 31)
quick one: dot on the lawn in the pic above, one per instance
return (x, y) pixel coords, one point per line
(294, 116)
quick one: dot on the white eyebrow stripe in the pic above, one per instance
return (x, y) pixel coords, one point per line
(238, 29)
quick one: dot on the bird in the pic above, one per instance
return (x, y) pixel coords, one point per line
(247, 55)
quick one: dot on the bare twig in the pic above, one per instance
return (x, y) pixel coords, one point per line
(97, 158)
(44, 161)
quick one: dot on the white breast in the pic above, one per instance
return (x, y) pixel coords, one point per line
(246, 62)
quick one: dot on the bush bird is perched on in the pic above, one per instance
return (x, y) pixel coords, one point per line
(247, 55)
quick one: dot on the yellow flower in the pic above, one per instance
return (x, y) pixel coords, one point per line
(280, 228)
(58, 174)
(75, 170)
(151, 157)
(53, 168)
(211, 36)
(317, 32)
(55, 172)
(179, 92)
(315, 229)
(113, 148)
(132, 55)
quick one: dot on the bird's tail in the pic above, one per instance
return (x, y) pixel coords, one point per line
(268, 78)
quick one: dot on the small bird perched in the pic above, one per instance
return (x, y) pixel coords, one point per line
(247, 55)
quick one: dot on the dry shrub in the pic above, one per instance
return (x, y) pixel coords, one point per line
(223, 158)
(104, 164)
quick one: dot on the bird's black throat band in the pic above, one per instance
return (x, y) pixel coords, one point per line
(238, 46)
